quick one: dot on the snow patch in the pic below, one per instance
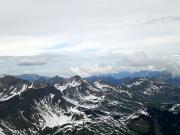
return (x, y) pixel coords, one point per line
(92, 98)
(103, 86)
(136, 83)
(51, 116)
(136, 114)
(52, 96)
(143, 112)
(74, 83)
(31, 86)
(1, 132)
(174, 107)
(152, 89)
(14, 92)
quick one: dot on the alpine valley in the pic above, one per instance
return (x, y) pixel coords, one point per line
(140, 105)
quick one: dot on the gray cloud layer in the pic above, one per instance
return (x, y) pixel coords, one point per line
(67, 37)
(166, 19)
(31, 63)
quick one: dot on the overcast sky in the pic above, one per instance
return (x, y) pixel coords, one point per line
(88, 37)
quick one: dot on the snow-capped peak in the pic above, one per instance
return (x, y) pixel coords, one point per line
(72, 82)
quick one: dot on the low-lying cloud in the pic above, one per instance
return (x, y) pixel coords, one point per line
(133, 62)
(141, 60)
(87, 70)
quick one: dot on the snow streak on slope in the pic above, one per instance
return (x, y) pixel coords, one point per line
(136, 83)
(136, 114)
(80, 93)
(1, 132)
(53, 115)
(69, 84)
(176, 106)
(106, 87)
(14, 92)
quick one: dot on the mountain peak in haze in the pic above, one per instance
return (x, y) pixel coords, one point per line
(76, 77)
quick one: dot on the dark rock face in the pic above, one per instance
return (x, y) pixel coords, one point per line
(37, 79)
(11, 86)
(73, 106)
(54, 80)
(32, 77)
(158, 122)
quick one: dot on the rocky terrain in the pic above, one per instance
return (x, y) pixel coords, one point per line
(77, 106)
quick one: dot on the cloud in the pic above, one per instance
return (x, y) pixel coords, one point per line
(31, 62)
(87, 70)
(138, 59)
(165, 19)
(172, 65)
(27, 45)
(91, 32)
(133, 62)
(141, 60)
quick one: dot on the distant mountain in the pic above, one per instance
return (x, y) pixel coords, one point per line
(112, 78)
(32, 77)
(38, 79)
(167, 77)
(119, 78)
(106, 79)
(142, 73)
(54, 80)
(151, 90)
(75, 106)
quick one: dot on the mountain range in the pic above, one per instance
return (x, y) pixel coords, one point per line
(120, 77)
(133, 105)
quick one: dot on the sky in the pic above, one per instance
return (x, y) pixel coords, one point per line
(89, 37)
